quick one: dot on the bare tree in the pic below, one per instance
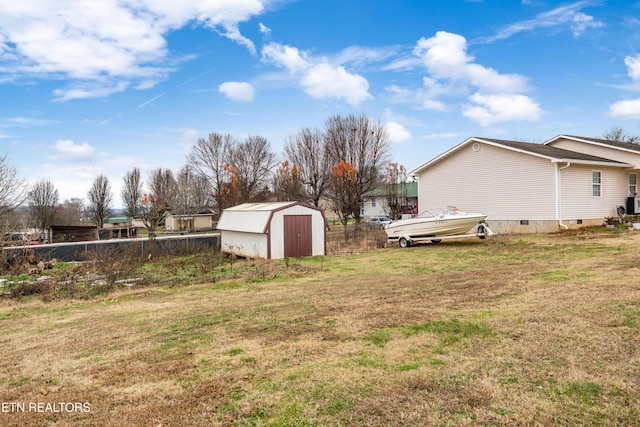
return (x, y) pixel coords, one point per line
(362, 143)
(100, 200)
(617, 133)
(191, 191)
(192, 194)
(287, 183)
(250, 165)
(12, 187)
(395, 190)
(208, 158)
(152, 213)
(12, 195)
(70, 212)
(344, 198)
(307, 150)
(163, 184)
(132, 192)
(43, 205)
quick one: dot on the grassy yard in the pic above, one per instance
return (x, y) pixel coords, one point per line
(514, 330)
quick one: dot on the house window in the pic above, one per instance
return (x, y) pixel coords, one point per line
(633, 184)
(596, 183)
(373, 203)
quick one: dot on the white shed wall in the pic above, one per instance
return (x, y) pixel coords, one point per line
(251, 245)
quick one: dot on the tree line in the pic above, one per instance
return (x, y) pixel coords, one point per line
(338, 164)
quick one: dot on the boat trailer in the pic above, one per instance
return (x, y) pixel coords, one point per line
(482, 231)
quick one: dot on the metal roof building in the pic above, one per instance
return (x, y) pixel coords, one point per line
(273, 230)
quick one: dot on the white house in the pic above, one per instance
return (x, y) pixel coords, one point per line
(273, 230)
(525, 187)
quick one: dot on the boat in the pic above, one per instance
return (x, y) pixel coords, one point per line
(435, 224)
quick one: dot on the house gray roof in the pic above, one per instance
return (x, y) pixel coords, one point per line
(616, 144)
(551, 152)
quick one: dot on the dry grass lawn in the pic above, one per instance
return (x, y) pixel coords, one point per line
(515, 330)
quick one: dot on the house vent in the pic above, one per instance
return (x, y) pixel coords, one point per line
(475, 146)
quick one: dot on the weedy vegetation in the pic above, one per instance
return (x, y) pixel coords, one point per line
(514, 330)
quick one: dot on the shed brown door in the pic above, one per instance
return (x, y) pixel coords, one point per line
(298, 240)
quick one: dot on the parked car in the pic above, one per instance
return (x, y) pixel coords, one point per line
(378, 222)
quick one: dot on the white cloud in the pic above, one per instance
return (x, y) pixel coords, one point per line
(287, 57)
(28, 121)
(446, 135)
(445, 57)
(582, 22)
(68, 150)
(633, 66)
(362, 56)
(627, 109)
(630, 108)
(89, 90)
(107, 46)
(425, 98)
(237, 91)
(453, 73)
(264, 29)
(326, 81)
(560, 17)
(397, 132)
(317, 77)
(490, 109)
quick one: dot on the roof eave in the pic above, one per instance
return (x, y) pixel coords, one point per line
(595, 163)
(590, 141)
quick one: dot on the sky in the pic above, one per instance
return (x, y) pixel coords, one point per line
(99, 87)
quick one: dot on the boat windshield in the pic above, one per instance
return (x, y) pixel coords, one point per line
(439, 212)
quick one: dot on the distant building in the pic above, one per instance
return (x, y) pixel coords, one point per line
(190, 223)
(376, 202)
(117, 227)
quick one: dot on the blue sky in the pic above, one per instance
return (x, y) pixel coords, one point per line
(97, 87)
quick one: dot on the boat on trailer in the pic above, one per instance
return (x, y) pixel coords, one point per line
(437, 224)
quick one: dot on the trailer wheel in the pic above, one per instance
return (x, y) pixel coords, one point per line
(404, 243)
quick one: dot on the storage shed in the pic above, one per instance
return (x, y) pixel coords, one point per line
(273, 230)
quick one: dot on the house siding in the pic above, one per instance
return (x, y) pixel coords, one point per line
(506, 185)
(577, 198)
